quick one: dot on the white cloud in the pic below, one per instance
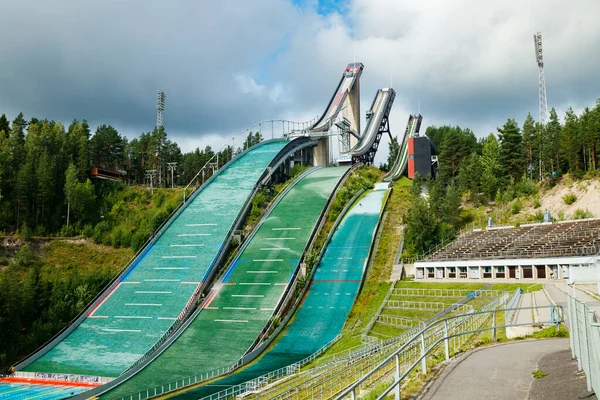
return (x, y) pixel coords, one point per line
(228, 64)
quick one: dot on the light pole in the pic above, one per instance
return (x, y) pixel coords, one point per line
(172, 166)
(150, 175)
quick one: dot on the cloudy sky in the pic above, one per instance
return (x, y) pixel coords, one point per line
(227, 64)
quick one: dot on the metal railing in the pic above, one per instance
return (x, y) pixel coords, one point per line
(413, 354)
(417, 292)
(214, 160)
(585, 341)
(264, 380)
(511, 304)
(364, 335)
(416, 305)
(321, 379)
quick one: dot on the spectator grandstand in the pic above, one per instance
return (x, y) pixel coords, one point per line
(543, 251)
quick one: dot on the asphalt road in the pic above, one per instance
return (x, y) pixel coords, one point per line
(504, 372)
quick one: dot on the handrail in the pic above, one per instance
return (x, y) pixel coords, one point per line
(243, 131)
(351, 390)
(364, 335)
(585, 341)
(342, 363)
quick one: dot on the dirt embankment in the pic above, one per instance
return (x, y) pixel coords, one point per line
(10, 245)
(588, 198)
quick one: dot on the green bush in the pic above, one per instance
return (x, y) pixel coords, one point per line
(100, 232)
(138, 239)
(582, 214)
(536, 203)
(87, 231)
(67, 231)
(26, 231)
(24, 257)
(569, 198)
(525, 187)
(516, 207)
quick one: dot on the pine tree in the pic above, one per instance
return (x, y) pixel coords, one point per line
(511, 148)
(551, 136)
(394, 148)
(4, 125)
(529, 145)
(569, 140)
(492, 166)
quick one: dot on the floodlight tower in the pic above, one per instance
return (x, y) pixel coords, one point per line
(160, 107)
(542, 102)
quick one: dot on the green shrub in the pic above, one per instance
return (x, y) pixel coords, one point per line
(24, 257)
(87, 231)
(138, 239)
(569, 198)
(536, 203)
(525, 187)
(516, 207)
(67, 231)
(26, 231)
(538, 216)
(100, 232)
(582, 214)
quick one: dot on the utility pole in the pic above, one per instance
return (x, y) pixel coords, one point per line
(172, 167)
(150, 175)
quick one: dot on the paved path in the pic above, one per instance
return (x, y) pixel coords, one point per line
(557, 293)
(543, 314)
(524, 316)
(504, 372)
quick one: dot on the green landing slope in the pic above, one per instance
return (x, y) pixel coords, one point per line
(328, 301)
(242, 303)
(150, 298)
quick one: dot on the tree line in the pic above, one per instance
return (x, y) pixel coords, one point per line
(500, 167)
(45, 169)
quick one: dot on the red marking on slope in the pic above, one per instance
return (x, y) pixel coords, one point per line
(106, 298)
(305, 295)
(49, 382)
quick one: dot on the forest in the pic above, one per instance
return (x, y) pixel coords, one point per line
(500, 167)
(45, 186)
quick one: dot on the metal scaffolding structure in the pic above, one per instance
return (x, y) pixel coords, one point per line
(160, 107)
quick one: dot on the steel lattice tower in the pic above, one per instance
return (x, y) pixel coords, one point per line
(543, 102)
(160, 107)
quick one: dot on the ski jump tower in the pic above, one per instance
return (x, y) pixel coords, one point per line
(343, 112)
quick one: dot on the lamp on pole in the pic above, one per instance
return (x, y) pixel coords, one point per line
(172, 166)
(150, 175)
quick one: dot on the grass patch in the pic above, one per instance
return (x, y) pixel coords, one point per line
(59, 258)
(511, 287)
(551, 332)
(440, 285)
(538, 374)
(385, 253)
